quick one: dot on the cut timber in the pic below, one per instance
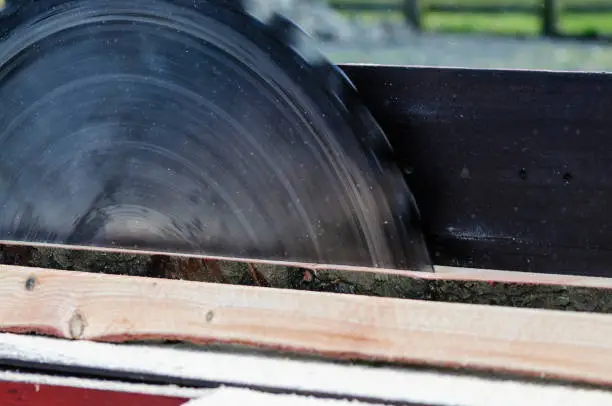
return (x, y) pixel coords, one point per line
(492, 275)
(554, 344)
(448, 273)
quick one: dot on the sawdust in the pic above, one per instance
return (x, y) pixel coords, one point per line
(500, 294)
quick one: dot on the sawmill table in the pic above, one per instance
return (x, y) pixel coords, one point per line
(490, 199)
(429, 353)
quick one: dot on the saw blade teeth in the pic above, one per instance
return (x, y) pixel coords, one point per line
(282, 29)
(291, 34)
(340, 85)
(334, 80)
(254, 8)
(294, 36)
(238, 5)
(332, 77)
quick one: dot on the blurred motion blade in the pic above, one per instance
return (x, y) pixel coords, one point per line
(192, 127)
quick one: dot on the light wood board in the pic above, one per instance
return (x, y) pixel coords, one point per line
(497, 276)
(567, 345)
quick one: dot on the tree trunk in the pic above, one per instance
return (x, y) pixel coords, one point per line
(550, 18)
(413, 14)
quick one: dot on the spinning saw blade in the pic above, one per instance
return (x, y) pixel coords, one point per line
(192, 127)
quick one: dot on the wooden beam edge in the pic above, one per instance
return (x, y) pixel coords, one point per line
(85, 306)
(440, 272)
(528, 278)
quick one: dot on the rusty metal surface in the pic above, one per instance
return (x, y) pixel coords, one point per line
(510, 169)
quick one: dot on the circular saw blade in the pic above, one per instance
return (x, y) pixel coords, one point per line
(196, 128)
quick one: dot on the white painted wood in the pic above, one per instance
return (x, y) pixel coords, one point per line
(389, 384)
(236, 397)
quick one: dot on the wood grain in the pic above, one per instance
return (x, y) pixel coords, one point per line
(530, 278)
(565, 345)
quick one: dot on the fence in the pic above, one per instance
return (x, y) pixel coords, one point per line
(413, 10)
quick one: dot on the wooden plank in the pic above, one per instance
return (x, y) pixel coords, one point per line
(298, 264)
(508, 167)
(447, 273)
(270, 373)
(440, 272)
(564, 345)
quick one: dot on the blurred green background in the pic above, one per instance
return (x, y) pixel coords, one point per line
(574, 17)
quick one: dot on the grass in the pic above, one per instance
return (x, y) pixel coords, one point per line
(493, 53)
(517, 24)
(480, 2)
(502, 23)
(586, 23)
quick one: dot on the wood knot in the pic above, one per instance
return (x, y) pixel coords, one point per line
(30, 283)
(76, 325)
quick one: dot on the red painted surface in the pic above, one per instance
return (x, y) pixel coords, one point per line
(22, 394)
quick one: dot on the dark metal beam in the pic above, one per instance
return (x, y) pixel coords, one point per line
(511, 169)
